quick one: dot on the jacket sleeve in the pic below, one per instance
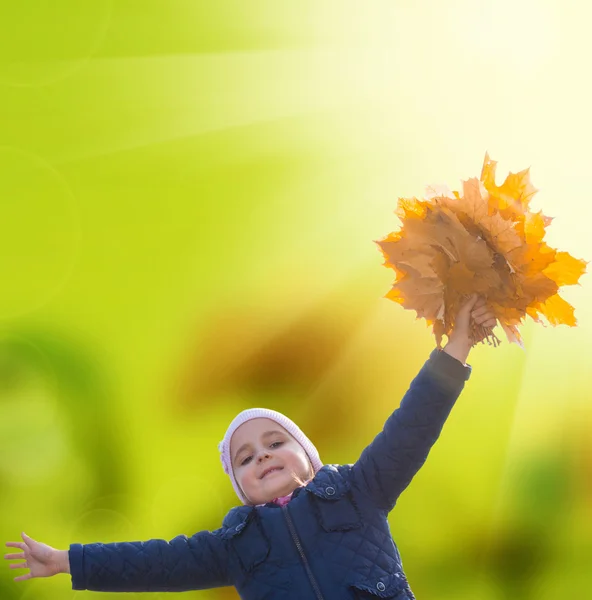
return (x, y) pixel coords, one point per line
(387, 466)
(194, 563)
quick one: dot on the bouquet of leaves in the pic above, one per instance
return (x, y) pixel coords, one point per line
(485, 241)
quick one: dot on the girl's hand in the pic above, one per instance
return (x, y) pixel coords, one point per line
(460, 341)
(41, 560)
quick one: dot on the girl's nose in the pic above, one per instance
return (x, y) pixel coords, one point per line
(263, 455)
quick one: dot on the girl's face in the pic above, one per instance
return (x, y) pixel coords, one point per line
(267, 461)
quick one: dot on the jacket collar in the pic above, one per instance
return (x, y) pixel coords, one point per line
(330, 483)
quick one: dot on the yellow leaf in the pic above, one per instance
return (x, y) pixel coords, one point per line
(516, 191)
(474, 200)
(538, 288)
(424, 295)
(565, 270)
(409, 208)
(519, 188)
(557, 311)
(500, 233)
(530, 259)
(534, 227)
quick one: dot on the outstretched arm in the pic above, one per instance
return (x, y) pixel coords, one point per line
(387, 466)
(194, 563)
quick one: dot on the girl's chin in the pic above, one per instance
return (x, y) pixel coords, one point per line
(282, 490)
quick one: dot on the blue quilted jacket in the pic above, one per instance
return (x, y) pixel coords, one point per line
(331, 541)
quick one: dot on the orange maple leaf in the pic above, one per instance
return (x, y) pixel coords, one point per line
(486, 241)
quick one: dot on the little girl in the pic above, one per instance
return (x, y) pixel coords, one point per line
(305, 531)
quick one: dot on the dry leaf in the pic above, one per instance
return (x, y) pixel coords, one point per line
(485, 240)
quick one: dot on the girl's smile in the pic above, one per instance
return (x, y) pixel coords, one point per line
(271, 471)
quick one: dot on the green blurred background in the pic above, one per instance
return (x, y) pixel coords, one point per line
(190, 192)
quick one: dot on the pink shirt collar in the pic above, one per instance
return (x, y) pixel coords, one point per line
(283, 500)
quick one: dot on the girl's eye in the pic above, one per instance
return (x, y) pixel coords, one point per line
(246, 460)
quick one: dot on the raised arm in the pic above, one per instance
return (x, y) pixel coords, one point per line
(194, 563)
(387, 466)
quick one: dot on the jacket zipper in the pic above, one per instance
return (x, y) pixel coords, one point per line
(292, 529)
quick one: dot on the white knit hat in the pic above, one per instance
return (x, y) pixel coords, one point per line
(264, 413)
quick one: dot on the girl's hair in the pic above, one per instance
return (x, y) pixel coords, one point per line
(300, 481)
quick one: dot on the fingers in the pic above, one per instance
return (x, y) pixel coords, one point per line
(479, 302)
(482, 314)
(487, 319)
(29, 541)
(18, 556)
(470, 302)
(487, 325)
(17, 545)
(479, 310)
(13, 556)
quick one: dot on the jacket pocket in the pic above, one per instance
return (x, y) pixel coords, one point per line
(248, 541)
(337, 513)
(388, 586)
